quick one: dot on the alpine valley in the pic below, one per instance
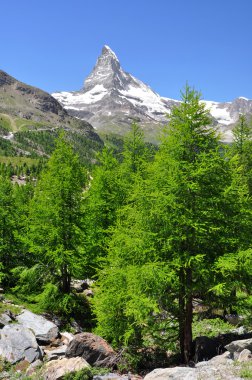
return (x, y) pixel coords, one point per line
(111, 99)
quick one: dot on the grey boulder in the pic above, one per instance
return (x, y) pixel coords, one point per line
(44, 330)
(18, 343)
(239, 345)
(176, 373)
(5, 319)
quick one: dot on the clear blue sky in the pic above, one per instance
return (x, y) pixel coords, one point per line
(53, 44)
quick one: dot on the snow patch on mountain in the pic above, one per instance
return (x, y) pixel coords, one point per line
(75, 100)
(220, 113)
(143, 96)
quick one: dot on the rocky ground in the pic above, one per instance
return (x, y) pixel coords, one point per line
(32, 346)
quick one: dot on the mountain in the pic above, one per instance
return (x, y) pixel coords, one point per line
(30, 119)
(111, 99)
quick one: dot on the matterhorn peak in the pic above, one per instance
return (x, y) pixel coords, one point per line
(107, 71)
(106, 50)
(112, 99)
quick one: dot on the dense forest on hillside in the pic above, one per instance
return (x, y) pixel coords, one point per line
(154, 229)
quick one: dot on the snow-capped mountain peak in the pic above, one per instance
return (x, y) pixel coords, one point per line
(111, 99)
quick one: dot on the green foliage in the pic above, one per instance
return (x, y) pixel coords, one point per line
(7, 227)
(177, 216)
(52, 299)
(86, 373)
(246, 371)
(4, 365)
(54, 232)
(210, 327)
(83, 374)
(5, 125)
(137, 292)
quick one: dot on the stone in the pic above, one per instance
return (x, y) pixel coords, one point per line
(95, 350)
(56, 353)
(88, 293)
(57, 369)
(113, 376)
(225, 358)
(245, 356)
(5, 319)
(77, 285)
(18, 343)
(239, 345)
(44, 330)
(176, 373)
(66, 337)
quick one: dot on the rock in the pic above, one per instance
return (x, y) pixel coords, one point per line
(233, 319)
(18, 343)
(57, 353)
(56, 369)
(225, 358)
(44, 330)
(88, 293)
(33, 367)
(240, 330)
(5, 319)
(77, 285)
(76, 327)
(176, 373)
(95, 350)
(245, 356)
(112, 376)
(66, 337)
(239, 345)
(1, 291)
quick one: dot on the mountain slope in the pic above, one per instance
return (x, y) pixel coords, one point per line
(30, 119)
(111, 99)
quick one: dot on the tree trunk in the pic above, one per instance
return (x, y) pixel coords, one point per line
(185, 315)
(181, 312)
(65, 279)
(188, 318)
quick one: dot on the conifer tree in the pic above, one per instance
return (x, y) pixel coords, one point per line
(192, 214)
(55, 230)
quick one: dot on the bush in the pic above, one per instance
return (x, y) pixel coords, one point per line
(211, 327)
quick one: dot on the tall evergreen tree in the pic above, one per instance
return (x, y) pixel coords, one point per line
(55, 230)
(7, 229)
(189, 206)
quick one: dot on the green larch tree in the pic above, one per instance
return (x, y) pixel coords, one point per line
(189, 207)
(55, 230)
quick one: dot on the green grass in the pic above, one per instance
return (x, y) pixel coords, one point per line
(19, 161)
(25, 125)
(246, 370)
(13, 308)
(211, 327)
(21, 303)
(5, 124)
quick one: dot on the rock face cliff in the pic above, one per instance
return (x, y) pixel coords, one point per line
(111, 99)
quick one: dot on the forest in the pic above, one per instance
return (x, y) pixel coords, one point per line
(152, 229)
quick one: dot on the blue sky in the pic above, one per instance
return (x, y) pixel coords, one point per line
(54, 44)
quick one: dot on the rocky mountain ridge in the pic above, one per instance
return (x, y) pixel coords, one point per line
(30, 116)
(111, 99)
